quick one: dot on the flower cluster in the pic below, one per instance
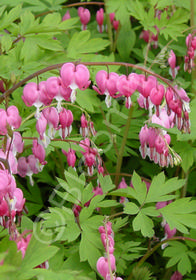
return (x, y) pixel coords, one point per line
(115, 23)
(106, 266)
(85, 16)
(11, 199)
(169, 105)
(190, 56)
(51, 119)
(155, 141)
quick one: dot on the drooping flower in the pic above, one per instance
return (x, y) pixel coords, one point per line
(84, 131)
(71, 157)
(75, 76)
(107, 84)
(36, 95)
(176, 276)
(55, 89)
(66, 16)
(52, 117)
(100, 19)
(39, 152)
(127, 86)
(172, 63)
(84, 15)
(65, 121)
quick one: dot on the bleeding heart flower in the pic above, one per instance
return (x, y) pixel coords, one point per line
(75, 76)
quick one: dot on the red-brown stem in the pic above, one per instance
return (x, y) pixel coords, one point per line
(71, 6)
(56, 66)
(83, 4)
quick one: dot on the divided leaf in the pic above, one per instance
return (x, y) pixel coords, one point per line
(160, 190)
(180, 214)
(81, 44)
(179, 254)
(143, 223)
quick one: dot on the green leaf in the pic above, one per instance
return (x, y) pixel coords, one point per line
(119, 223)
(74, 193)
(137, 10)
(47, 274)
(66, 146)
(35, 53)
(126, 192)
(37, 252)
(106, 183)
(27, 21)
(131, 208)
(73, 180)
(150, 211)
(88, 99)
(73, 263)
(180, 214)
(125, 49)
(6, 42)
(49, 44)
(159, 189)
(81, 43)
(87, 193)
(108, 203)
(139, 189)
(71, 196)
(178, 254)
(121, 9)
(12, 256)
(26, 224)
(2, 9)
(62, 223)
(186, 152)
(173, 26)
(86, 212)
(143, 223)
(88, 247)
(9, 18)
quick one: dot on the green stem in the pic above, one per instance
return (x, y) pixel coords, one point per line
(184, 188)
(109, 28)
(109, 130)
(116, 38)
(54, 104)
(151, 251)
(193, 75)
(124, 140)
(147, 49)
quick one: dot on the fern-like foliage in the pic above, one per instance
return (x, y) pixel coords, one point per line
(141, 273)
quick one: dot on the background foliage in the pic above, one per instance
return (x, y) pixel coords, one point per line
(32, 37)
